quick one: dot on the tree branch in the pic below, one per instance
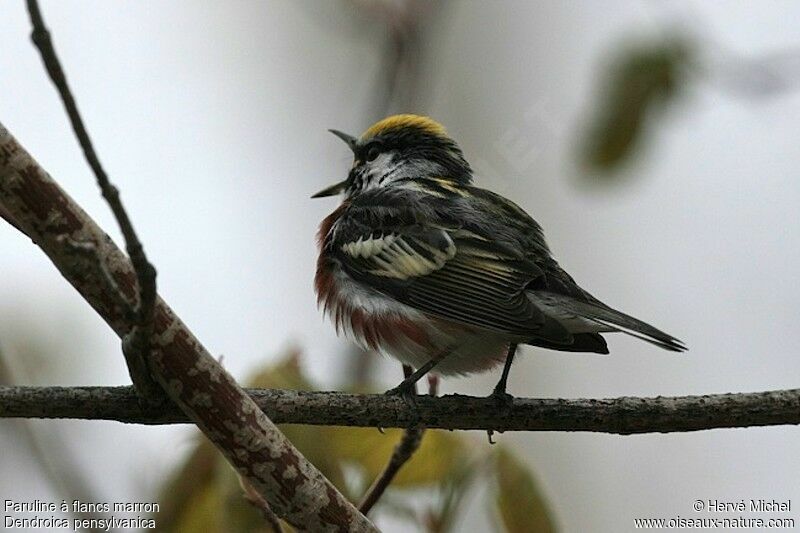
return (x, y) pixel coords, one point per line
(624, 416)
(195, 381)
(136, 346)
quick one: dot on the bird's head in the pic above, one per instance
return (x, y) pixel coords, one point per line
(399, 148)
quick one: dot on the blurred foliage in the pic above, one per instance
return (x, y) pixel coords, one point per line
(515, 485)
(205, 493)
(642, 81)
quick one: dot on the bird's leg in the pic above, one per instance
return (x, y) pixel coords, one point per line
(407, 388)
(408, 371)
(410, 398)
(433, 384)
(499, 392)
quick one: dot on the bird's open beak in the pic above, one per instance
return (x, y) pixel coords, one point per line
(348, 139)
(333, 190)
(338, 187)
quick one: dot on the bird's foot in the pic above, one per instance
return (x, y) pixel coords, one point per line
(408, 393)
(505, 402)
(503, 399)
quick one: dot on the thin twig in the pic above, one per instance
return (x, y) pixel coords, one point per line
(136, 347)
(623, 415)
(89, 250)
(409, 443)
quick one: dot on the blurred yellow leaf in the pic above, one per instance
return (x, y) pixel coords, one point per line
(286, 374)
(520, 503)
(437, 458)
(198, 513)
(440, 452)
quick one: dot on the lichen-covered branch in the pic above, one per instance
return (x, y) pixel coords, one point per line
(625, 415)
(193, 379)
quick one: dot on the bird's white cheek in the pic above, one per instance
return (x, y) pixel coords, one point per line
(381, 171)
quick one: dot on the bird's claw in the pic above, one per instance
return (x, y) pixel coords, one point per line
(504, 400)
(409, 396)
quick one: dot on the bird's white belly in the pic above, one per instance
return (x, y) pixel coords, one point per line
(376, 321)
(467, 352)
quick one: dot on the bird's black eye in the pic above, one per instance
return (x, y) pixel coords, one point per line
(373, 150)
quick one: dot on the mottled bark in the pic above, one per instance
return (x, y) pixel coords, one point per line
(200, 387)
(623, 416)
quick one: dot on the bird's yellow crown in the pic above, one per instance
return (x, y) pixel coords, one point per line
(396, 122)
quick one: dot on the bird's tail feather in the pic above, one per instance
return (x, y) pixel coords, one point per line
(605, 319)
(617, 321)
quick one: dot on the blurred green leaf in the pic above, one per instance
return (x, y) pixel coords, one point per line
(519, 501)
(642, 80)
(186, 495)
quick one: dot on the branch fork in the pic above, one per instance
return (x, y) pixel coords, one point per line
(162, 354)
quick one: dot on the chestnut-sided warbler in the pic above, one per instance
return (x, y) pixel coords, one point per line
(420, 264)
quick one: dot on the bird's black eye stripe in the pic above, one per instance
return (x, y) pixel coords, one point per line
(372, 150)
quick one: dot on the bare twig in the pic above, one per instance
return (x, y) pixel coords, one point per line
(136, 347)
(89, 250)
(200, 387)
(624, 415)
(409, 443)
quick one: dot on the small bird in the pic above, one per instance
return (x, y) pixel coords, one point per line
(420, 264)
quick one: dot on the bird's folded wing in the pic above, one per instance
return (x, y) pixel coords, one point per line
(450, 273)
